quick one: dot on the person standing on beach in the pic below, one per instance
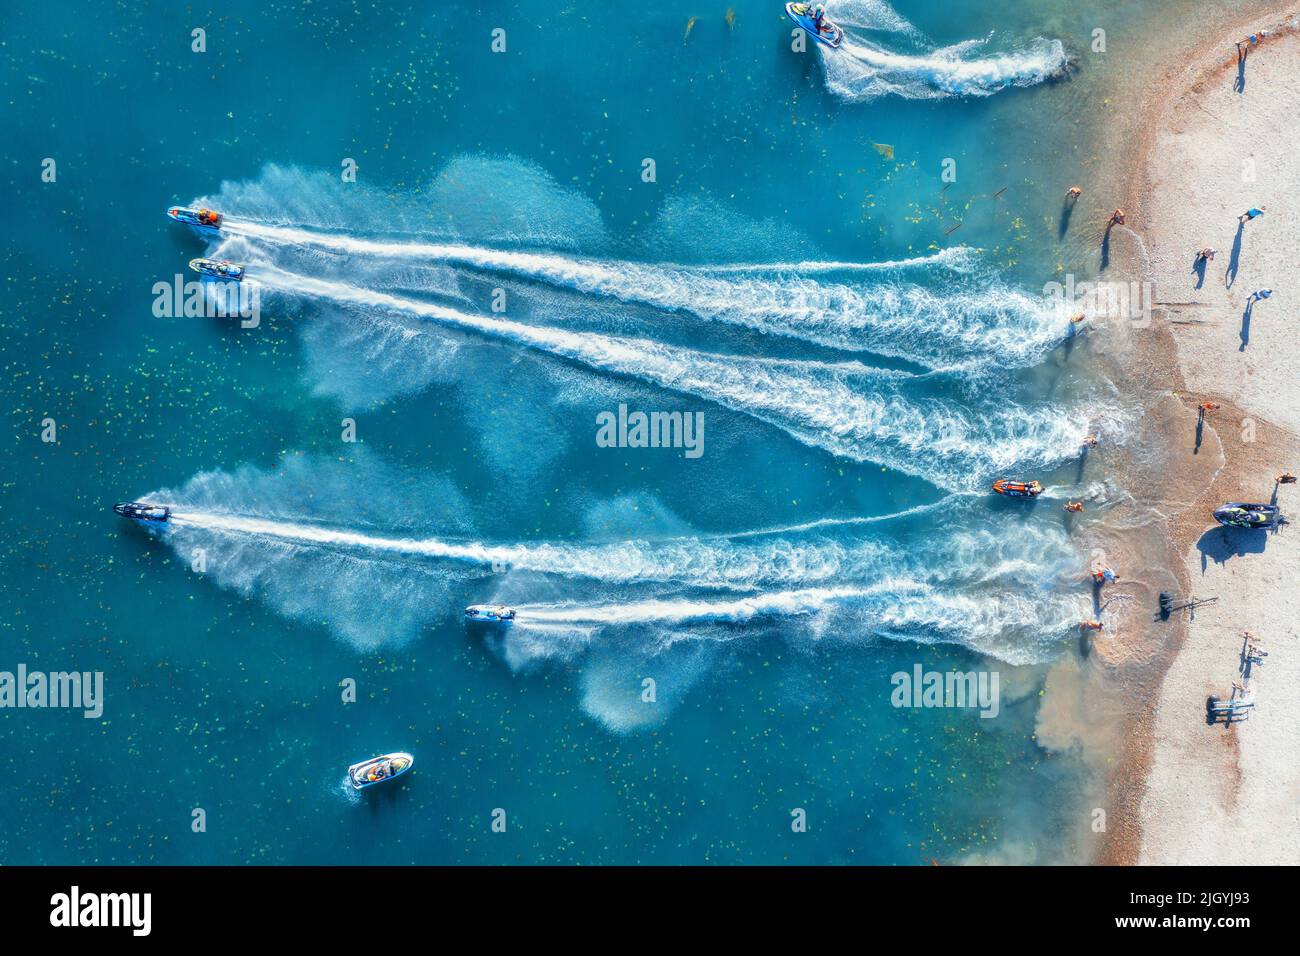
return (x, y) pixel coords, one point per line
(1251, 213)
(1073, 193)
(1259, 294)
(1206, 255)
(1116, 218)
(1286, 478)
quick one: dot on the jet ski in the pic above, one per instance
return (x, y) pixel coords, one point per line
(490, 613)
(379, 769)
(1238, 515)
(204, 218)
(802, 14)
(221, 269)
(1017, 489)
(155, 514)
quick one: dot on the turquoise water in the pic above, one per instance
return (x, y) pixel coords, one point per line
(834, 531)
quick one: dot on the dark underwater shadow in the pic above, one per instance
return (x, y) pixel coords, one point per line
(1066, 212)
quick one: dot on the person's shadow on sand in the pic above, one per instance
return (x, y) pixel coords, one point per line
(1198, 267)
(1219, 544)
(1245, 325)
(1200, 433)
(1239, 85)
(1234, 261)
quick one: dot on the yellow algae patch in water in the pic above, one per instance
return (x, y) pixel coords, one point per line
(884, 149)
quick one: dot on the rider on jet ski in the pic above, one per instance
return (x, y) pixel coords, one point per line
(818, 13)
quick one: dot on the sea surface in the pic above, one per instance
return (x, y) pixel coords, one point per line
(835, 259)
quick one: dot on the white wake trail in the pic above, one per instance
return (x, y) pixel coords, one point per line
(814, 402)
(697, 561)
(862, 70)
(740, 610)
(889, 316)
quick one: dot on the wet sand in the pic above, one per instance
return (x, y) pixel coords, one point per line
(1220, 138)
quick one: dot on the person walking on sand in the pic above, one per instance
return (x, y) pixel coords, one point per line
(1259, 294)
(1116, 218)
(1074, 506)
(1206, 255)
(1286, 478)
(1073, 193)
(1254, 212)
(1208, 407)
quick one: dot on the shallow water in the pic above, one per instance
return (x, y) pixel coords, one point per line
(834, 531)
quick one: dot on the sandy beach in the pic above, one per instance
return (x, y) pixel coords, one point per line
(1221, 139)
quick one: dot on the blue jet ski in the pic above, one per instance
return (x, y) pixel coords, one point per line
(378, 770)
(490, 613)
(804, 15)
(202, 218)
(155, 514)
(1235, 514)
(217, 269)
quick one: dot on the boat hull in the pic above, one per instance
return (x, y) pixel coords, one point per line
(1238, 514)
(190, 217)
(489, 614)
(1017, 489)
(217, 270)
(147, 514)
(397, 765)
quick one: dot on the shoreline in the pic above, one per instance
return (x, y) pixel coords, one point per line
(1182, 791)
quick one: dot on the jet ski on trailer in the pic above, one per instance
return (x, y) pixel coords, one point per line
(805, 14)
(489, 613)
(218, 269)
(377, 770)
(1017, 489)
(201, 218)
(1236, 514)
(140, 511)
